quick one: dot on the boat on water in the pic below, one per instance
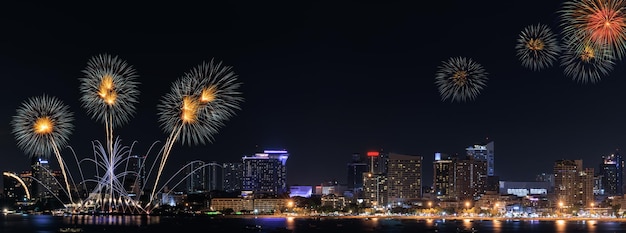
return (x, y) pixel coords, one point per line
(252, 227)
(70, 229)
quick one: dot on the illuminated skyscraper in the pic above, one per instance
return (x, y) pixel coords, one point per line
(404, 178)
(45, 182)
(265, 173)
(483, 152)
(134, 181)
(573, 184)
(612, 172)
(443, 182)
(470, 178)
(375, 189)
(232, 173)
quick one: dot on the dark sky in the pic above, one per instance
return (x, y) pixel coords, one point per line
(321, 80)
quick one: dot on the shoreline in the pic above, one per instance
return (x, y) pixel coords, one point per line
(426, 218)
(371, 217)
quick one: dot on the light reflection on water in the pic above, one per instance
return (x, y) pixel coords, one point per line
(560, 226)
(111, 220)
(497, 226)
(151, 224)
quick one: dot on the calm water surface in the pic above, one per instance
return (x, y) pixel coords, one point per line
(140, 224)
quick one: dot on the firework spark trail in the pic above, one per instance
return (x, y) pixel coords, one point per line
(109, 95)
(197, 106)
(169, 143)
(186, 176)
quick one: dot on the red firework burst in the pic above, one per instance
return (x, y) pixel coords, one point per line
(602, 22)
(607, 25)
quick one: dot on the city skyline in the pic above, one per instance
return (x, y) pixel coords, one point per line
(322, 81)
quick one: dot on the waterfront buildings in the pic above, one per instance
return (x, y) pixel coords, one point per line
(404, 177)
(612, 174)
(573, 184)
(265, 173)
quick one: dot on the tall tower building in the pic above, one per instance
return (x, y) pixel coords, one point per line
(232, 175)
(196, 177)
(470, 178)
(215, 176)
(404, 178)
(573, 184)
(45, 182)
(356, 167)
(375, 180)
(485, 153)
(133, 182)
(265, 173)
(443, 177)
(375, 189)
(612, 171)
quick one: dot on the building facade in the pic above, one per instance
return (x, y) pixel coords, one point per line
(404, 178)
(612, 172)
(232, 173)
(196, 177)
(356, 167)
(265, 173)
(573, 184)
(443, 178)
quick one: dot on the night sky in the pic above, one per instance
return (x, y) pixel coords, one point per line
(322, 81)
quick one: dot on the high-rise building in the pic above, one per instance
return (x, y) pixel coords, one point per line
(265, 173)
(404, 178)
(232, 173)
(483, 152)
(470, 178)
(612, 172)
(443, 178)
(196, 177)
(134, 181)
(356, 167)
(215, 176)
(375, 180)
(46, 182)
(573, 184)
(375, 189)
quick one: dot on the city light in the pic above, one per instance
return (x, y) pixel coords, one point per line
(373, 153)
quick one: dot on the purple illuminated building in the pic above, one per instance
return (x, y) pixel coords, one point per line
(265, 173)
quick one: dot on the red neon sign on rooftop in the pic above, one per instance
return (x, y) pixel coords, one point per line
(373, 153)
